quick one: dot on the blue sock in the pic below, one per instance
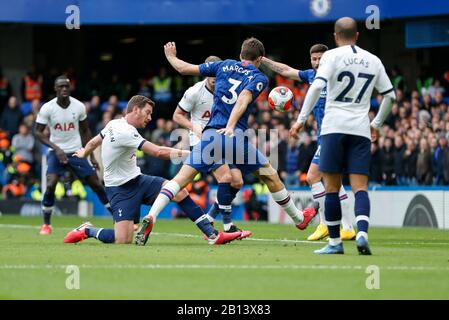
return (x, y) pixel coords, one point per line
(332, 212)
(48, 201)
(104, 235)
(196, 214)
(234, 192)
(362, 211)
(225, 197)
(213, 211)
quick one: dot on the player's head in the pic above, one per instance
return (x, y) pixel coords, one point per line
(316, 51)
(139, 110)
(62, 87)
(345, 31)
(211, 80)
(253, 51)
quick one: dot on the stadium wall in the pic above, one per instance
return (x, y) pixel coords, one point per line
(390, 207)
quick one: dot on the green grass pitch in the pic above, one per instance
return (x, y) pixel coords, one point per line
(176, 263)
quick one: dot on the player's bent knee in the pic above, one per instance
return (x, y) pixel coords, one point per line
(181, 195)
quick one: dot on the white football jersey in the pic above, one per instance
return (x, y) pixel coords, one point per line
(63, 123)
(118, 152)
(351, 74)
(198, 101)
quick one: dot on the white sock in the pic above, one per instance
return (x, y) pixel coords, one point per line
(346, 216)
(284, 200)
(319, 195)
(168, 192)
(334, 241)
(361, 234)
(227, 226)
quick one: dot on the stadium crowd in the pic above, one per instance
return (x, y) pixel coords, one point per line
(412, 148)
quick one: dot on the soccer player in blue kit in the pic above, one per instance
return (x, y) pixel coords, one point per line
(314, 176)
(223, 143)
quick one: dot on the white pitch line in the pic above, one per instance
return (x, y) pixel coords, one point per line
(212, 266)
(185, 235)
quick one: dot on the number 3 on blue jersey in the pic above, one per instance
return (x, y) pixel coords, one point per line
(235, 84)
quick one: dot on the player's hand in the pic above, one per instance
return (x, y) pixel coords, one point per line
(81, 153)
(94, 162)
(295, 129)
(170, 49)
(227, 132)
(197, 130)
(374, 134)
(61, 156)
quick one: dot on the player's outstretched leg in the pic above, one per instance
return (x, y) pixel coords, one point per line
(196, 214)
(277, 189)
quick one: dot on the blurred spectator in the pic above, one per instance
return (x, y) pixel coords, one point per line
(398, 155)
(388, 174)
(410, 158)
(23, 143)
(14, 189)
(424, 174)
(11, 118)
(5, 90)
(375, 172)
(307, 150)
(162, 94)
(32, 85)
(439, 158)
(93, 114)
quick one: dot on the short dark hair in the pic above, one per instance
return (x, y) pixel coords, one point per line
(63, 77)
(252, 49)
(212, 59)
(140, 102)
(317, 48)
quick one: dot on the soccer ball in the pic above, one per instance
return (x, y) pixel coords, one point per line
(280, 99)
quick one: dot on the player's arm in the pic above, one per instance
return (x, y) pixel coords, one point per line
(180, 117)
(86, 135)
(386, 89)
(90, 146)
(165, 153)
(244, 99)
(282, 69)
(312, 96)
(40, 135)
(181, 66)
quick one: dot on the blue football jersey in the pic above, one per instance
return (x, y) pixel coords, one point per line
(232, 77)
(308, 76)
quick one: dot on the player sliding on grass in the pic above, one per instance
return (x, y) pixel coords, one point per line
(126, 187)
(314, 176)
(224, 142)
(198, 101)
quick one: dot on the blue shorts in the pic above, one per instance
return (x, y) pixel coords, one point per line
(126, 199)
(316, 156)
(345, 153)
(80, 167)
(215, 150)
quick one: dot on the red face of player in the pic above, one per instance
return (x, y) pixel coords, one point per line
(145, 115)
(315, 59)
